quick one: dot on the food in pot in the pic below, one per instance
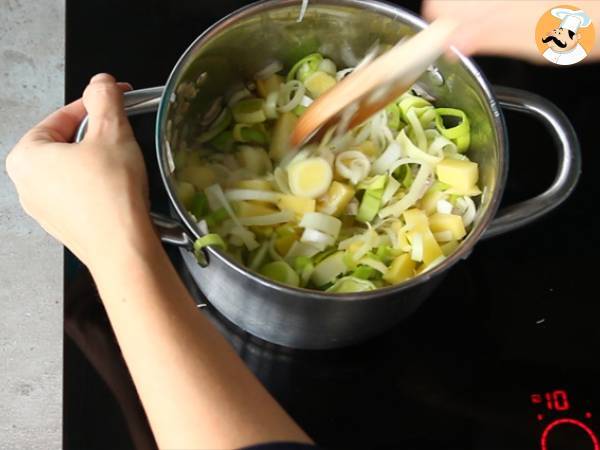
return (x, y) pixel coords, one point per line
(370, 207)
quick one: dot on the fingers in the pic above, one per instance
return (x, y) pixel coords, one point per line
(103, 100)
(59, 126)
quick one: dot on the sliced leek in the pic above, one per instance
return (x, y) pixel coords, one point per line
(354, 211)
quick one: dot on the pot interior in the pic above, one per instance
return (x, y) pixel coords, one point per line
(235, 49)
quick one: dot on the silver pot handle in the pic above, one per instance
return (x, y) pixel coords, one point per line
(569, 161)
(137, 102)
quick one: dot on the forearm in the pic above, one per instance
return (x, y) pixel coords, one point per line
(196, 392)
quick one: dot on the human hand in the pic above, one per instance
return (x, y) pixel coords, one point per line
(492, 27)
(92, 196)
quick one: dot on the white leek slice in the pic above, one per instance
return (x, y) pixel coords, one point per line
(328, 66)
(416, 253)
(317, 239)
(322, 222)
(281, 180)
(343, 245)
(391, 188)
(246, 236)
(417, 128)
(415, 152)
(294, 157)
(280, 271)
(417, 190)
(329, 269)
(273, 253)
(270, 106)
(391, 154)
(351, 284)
(215, 193)
(353, 165)
(369, 240)
(259, 257)
(371, 262)
(237, 195)
(468, 210)
(440, 145)
(239, 95)
(444, 207)
(268, 219)
(310, 178)
(301, 249)
(290, 95)
(268, 70)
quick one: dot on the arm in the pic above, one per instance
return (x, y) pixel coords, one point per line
(93, 197)
(501, 27)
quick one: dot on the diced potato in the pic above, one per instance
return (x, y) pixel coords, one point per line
(200, 176)
(448, 222)
(257, 185)
(401, 269)
(336, 199)
(429, 201)
(185, 193)
(449, 247)
(473, 191)
(283, 244)
(268, 85)
(431, 249)
(310, 177)
(459, 174)
(318, 83)
(369, 149)
(280, 139)
(254, 159)
(251, 209)
(415, 218)
(298, 205)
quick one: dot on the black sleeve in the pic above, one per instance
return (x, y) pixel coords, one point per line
(282, 446)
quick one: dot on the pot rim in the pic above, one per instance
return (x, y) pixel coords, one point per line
(383, 8)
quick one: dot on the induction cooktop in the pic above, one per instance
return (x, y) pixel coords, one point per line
(504, 355)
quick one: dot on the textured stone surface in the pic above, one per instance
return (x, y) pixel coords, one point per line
(31, 85)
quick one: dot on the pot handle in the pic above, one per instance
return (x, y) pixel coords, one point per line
(569, 161)
(136, 102)
(143, 101)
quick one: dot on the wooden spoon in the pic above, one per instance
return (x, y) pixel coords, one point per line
(373, 86)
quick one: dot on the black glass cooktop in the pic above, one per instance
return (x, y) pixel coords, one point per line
(504, 355)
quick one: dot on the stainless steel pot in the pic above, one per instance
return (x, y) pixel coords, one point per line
(241, 44)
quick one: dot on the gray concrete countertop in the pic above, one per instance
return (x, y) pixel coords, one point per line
(31, 86)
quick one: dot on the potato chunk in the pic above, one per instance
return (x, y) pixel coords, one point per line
(448, 222)
(401, 269)
(462, 175)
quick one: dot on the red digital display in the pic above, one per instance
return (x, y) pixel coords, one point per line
(556, 403)
(570, 422)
